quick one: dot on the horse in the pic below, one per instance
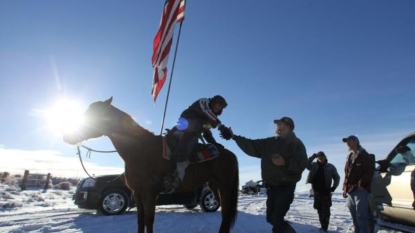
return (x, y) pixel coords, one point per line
(145, 167)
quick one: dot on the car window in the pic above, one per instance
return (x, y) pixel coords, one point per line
(398, 159)
(402, 156)
(406, 155)
(410, 154)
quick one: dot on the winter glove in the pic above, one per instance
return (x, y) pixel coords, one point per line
(225, 132)
(332, 189)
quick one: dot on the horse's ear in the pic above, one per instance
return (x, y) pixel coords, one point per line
(108, 101)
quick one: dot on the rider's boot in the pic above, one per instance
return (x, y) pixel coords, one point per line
(173, 181)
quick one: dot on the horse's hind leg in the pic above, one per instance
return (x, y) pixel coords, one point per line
(222, 194)
(228, 193)
(225, 226)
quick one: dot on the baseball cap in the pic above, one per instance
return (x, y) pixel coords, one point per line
(286, 120)
(351, 137)
(321, 154)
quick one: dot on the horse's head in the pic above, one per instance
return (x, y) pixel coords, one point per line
(98, 120)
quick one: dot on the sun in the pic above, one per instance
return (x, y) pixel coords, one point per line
(64, 117)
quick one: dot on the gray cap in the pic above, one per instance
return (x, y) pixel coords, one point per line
(354, 137)
(286, 120)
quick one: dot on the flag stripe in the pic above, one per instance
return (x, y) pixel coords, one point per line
(173, 12)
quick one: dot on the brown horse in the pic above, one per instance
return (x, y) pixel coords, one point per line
(145, 166)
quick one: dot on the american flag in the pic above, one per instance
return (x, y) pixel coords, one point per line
(173, 12)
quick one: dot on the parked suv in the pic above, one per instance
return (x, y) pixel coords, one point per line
(252, 187)
(109, 195)
(393, 186)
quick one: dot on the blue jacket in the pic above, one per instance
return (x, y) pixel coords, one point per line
(330, 174)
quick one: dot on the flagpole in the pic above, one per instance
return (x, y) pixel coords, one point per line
(171, 78)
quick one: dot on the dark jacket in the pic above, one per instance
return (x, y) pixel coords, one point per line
(330, 174)
(200, 118)
(358, 173)
(291, 149)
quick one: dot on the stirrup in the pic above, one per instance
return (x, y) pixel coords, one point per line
(168, 191)
(171, 182)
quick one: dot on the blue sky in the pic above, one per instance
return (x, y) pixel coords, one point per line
(336, 67)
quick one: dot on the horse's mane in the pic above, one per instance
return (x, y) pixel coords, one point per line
(130, 125)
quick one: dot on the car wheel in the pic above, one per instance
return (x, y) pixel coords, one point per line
(113, 202)
(208, 202)
(190, 206)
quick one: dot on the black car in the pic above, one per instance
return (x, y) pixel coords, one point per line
(109, 195)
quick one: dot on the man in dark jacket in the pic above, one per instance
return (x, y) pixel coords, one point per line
(195, 121)
(321, 176)
(283, 159)
(357, 181)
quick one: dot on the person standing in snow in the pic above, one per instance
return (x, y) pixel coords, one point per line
(283, 160)
(359, 171)
(321, 176)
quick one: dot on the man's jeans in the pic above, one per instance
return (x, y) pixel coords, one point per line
(358, 204)
(278, 203)
(322, 203)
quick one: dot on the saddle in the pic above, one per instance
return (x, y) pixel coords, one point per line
(202, 153)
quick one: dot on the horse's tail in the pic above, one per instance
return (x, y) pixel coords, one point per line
(234, 193)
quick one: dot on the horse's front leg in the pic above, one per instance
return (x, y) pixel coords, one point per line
(140, 213)
(150, 200)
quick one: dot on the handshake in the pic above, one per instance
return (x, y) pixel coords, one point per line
(225, 132)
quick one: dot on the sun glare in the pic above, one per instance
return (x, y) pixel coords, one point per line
(64, 117)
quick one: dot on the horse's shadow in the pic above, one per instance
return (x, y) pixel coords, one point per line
(177, 219)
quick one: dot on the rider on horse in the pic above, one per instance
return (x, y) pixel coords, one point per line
(193, 123)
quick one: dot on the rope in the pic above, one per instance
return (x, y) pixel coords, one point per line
(99, 151)
(82, 163)
(88, 154)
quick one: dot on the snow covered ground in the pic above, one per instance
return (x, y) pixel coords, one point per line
(53, 211)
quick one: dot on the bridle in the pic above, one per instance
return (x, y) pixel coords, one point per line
(88, 154)
(90, 150)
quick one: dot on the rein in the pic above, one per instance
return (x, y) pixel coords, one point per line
(88, 154)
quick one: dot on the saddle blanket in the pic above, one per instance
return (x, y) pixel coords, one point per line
(205, 152)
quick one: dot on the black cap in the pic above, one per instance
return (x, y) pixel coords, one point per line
(287, 121)
(351, 137)
(321, 154)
